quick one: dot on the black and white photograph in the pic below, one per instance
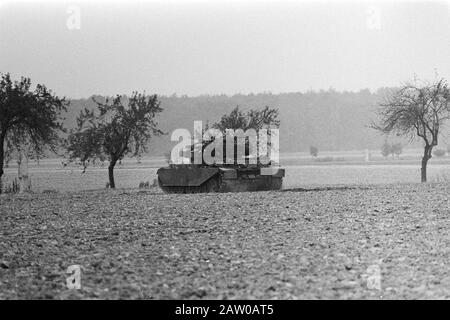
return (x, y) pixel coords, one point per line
(224, 154)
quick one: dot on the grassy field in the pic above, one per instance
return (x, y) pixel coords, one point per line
(317, 244)
(330, 168)
(45, 177)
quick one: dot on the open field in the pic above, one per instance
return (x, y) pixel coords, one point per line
(285, 244)
(309, 175)
(330, 168)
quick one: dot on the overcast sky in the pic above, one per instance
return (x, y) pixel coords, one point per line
(236, 47)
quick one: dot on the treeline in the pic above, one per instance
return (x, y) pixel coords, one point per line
(330, 120)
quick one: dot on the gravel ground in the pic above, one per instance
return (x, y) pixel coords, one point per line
(294, 244)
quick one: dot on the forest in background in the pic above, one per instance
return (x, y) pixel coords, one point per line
(329, 120)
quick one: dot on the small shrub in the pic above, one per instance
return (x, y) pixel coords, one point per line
(439, 152)
(385, 149)
(313, 151)
(144, 185)
(396, 149)
(9, 187)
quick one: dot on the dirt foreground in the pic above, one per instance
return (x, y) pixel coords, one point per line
(380, 242)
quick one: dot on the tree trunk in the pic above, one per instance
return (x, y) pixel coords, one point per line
(2, 159)
(424, 169)
(112, 163)
(425, 158)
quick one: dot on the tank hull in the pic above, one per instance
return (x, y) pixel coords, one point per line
(186, 179)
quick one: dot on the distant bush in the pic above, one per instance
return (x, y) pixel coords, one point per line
(385, 149)
(395, 149)
(144, 185)
(439, 153)
(147, 185)
(313, 151)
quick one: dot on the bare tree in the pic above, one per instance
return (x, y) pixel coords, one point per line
(417, 111)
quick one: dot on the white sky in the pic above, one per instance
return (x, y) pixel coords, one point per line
(193, 48)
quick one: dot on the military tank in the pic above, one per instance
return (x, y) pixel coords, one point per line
(250, 166)
(203, 178)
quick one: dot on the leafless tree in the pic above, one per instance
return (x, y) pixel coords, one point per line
(417, 111)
